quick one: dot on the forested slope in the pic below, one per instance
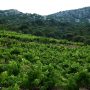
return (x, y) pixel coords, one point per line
(72, 25)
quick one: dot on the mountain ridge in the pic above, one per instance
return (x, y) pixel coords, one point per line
(73, 15)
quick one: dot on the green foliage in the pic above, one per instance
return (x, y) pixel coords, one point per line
(49, 27)
(29, 62)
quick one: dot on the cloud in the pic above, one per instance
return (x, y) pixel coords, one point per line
(43, 6)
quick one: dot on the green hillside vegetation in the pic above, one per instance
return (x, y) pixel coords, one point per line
(73, 25)
(77, 32)
(29, 62)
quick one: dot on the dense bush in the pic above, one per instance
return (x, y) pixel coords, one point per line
(34, 63)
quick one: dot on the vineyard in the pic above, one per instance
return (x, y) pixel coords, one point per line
(29, 62)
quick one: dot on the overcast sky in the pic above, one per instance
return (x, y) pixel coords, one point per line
(43, 7)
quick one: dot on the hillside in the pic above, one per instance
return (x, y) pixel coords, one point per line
(29, 62)
(72, 25)
(78, 15)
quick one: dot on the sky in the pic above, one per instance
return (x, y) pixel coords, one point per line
(43, 7)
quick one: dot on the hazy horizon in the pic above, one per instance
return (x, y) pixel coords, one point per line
(43, 7)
